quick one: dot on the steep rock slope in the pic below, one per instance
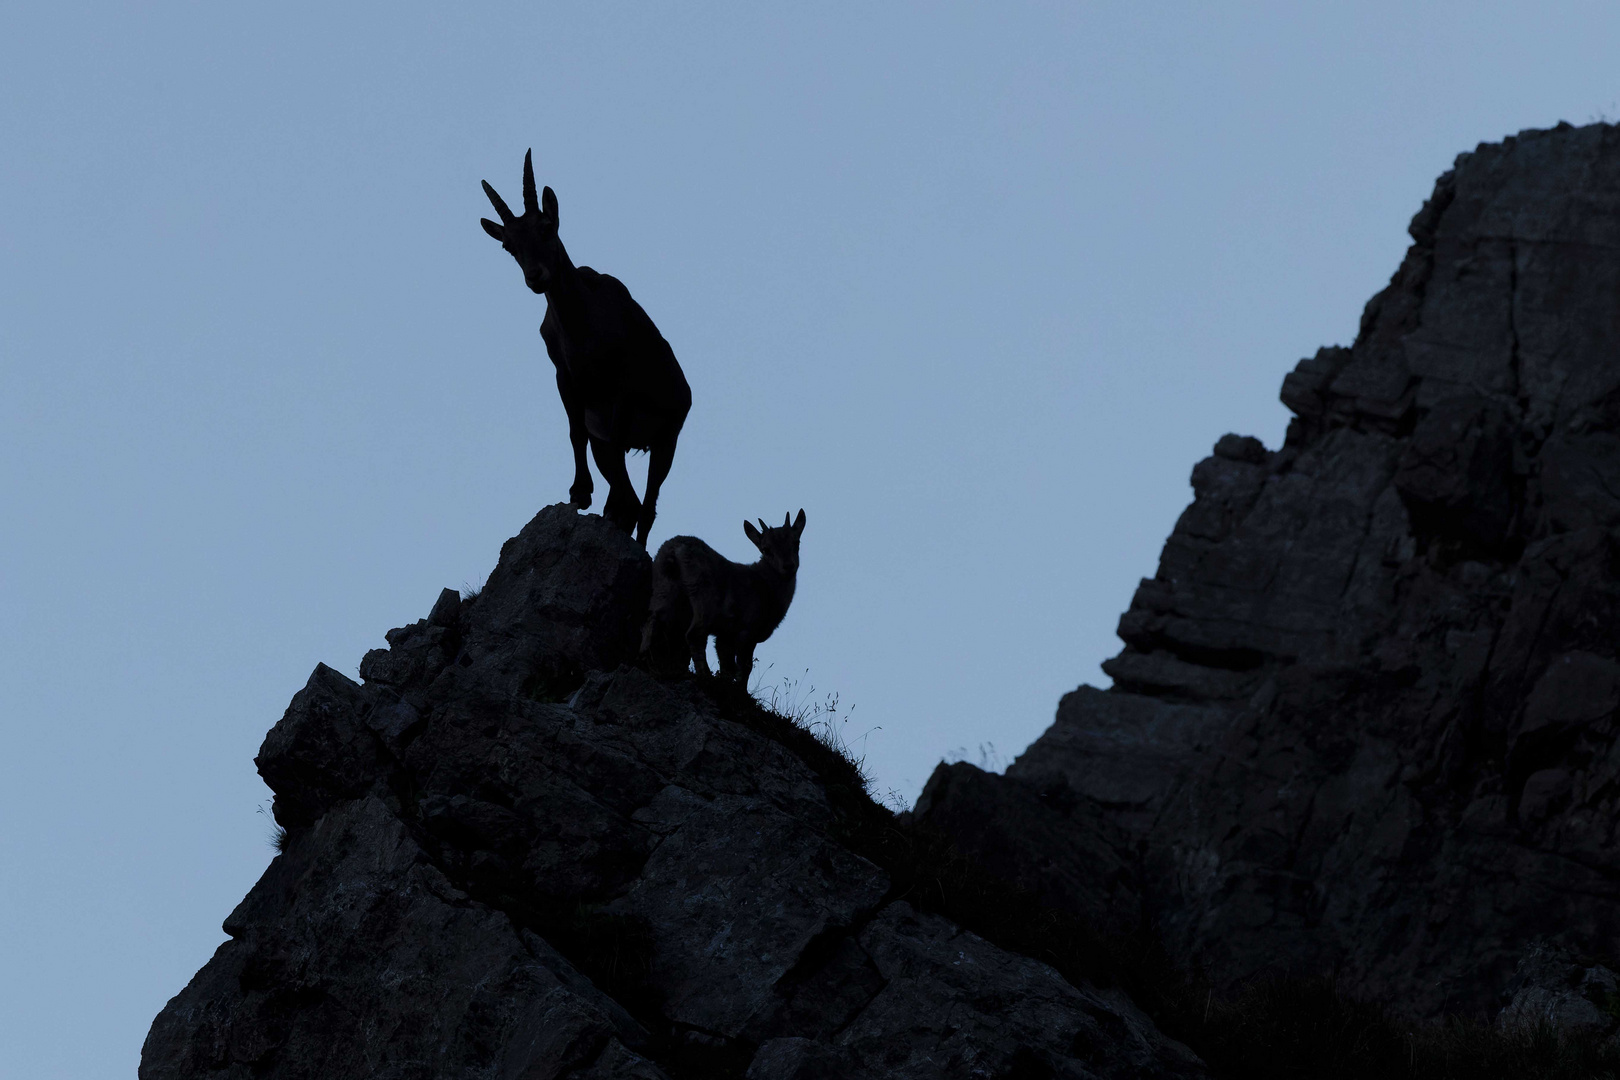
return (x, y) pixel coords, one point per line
(1365, 717)
(509, 856)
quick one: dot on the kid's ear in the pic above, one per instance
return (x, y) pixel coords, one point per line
(493, 229)
(798, 525)
(751, 532)
(548, 204)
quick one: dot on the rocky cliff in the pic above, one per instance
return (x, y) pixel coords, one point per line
(1365, 717)
(1364, 723)
(508, 855)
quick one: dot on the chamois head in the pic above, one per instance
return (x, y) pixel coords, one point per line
(532, 238)
(779, 546)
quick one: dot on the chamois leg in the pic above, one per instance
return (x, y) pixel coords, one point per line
(745, 660)
(697, 643)
(726, 649)
(669, 613)
(662, 457)
(649, 630)
(662, 650)
(579, 494)
(622, 507)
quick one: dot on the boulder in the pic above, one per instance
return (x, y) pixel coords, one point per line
(1554, 988)
(355, 956)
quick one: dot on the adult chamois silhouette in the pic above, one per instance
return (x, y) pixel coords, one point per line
(619, 381)
(697, 592)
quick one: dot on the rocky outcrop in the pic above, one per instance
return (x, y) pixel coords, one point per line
(1553, 988)
(509, 855)
(1365, 717)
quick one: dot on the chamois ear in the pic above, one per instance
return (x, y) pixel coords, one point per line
(752, 533)
(548, 205)
(798, 525)
(493, 229)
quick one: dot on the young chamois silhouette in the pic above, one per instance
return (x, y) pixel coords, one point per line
(619, 381)
(698, 592)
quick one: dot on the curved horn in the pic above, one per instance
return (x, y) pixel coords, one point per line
(499, 203)
(787, 519)
(762, 526)
(531, 201)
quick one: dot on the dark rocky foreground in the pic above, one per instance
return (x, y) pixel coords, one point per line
(508, 856)
(1365, 719)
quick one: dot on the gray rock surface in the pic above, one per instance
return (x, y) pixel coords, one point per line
(509, 855)
(1365, 716)
(355, 956)
(944, 1011)
(1553, 987)
(734, 897)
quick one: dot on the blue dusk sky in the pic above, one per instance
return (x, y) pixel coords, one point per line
(974, 285)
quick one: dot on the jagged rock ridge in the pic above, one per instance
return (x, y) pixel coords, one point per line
(509, 856)
(1365, 716)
